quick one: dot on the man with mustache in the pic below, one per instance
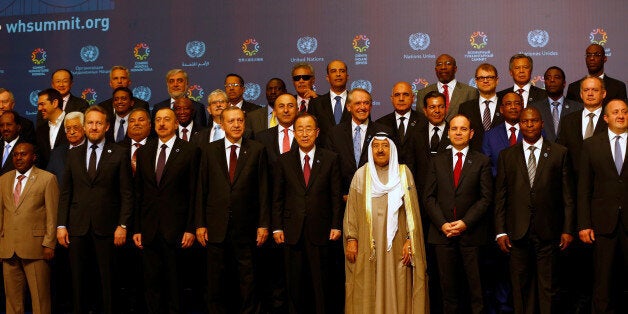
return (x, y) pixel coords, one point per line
(506, 134)
(303, 80)
(177, 83)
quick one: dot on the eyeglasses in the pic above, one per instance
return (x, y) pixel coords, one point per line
(232, 85)
(485, 78)
(302, 77)
(219, 101)
(597, 55)
(304, 131)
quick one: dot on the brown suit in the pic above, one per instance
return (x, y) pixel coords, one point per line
(26, 229)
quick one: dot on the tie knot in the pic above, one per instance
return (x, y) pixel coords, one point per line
(337, 98)
(520, 91)
(555, 103)
(591, 115)
(20, 177)
(122, 121)
(164, 146)
(532, 148)
(459, 154)
(137, 145)
(513, 129)
(184, 130)
(617, 137)
(487, 102)
(233, 146)
(303, 102)
(357, 129)
(436, 129)
(285, 131)
(307, 158)
(402, 118)
(94, 146)
(217, 127)
(445, 86)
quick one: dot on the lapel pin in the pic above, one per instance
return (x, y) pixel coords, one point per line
(566, 106)
(109, 151)
(176, 150)
(413, 123)
(545, 155)
(318, 161)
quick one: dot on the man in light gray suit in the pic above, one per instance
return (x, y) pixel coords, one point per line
(555, 106)
(455, 92)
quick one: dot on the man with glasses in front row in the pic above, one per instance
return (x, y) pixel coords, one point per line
(303, 80)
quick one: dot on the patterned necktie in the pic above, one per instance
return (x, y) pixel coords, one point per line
(531, 165)
(7, 150)
(218, 133)
(18, 189)
(120, 134)
(619, 157)
(357, 147)
(306, 170)
(233, 162)
(555, 115)
(185, 134)
(134, 157)
(486, 117)
(91, 169)
(589, 130)
(402, 129)
(520, 91)
(434, 140)
(338, 109)
(512, 140)
(285, 147)
(161, 163)
(446, 93)
(302, 108)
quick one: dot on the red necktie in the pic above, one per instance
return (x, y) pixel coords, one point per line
(457, 171)
(306, 170)
(446, 93)
(18, 189)
(185, 134)
(512, 139)
(233, 162)
(520, 91)
(286, 142)
(302, 108)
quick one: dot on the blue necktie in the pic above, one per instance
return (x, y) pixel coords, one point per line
(357, 148)
(120, 135)
(337, 109)
(218, 133)
(7, 149)
(619, 158)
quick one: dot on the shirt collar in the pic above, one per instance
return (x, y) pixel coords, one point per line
(450, 85)
(333, 95)
(464, 151)
(611, 135)
(310, 153)
(58, 121)
(538, 144)
(228, 143)
(25, 174)
(169, 143)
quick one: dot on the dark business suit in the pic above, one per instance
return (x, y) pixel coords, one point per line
(257, 120)
(270, 139)
(545, 108)
(164, 211)
(471, 109)
(496, 140)
(74, 104)
(405, 149)
(615, 89)
(200, 114)
(602, 205)
(469, 202)
(111, 134)
(534, 216)
(534, 94)
(232, 212)
(43, 143)
(137, 103)
(570, 136)
(27, 130)
(91, 210)
(462, 93)
(423, 154)
(249, 107)
(321, 108)
(340, 141)
(306, 214)
(196, 129)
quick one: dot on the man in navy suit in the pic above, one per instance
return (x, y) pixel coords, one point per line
(330, 108)
(506, 134)
(177, 83)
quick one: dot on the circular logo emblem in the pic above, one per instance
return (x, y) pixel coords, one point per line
(364, 84)
(141, 51)
(33, 98)
(478, 40)
(196, 93)
(538, 38)
(142, 92)
(250, 47)
(89, 94)
(89, 53)
(195, 49)
(472, 82)
(38, 56)
(307, 45)
(361, 43)
(251, 91)
(419, 41)
(598, 36)
(418, 84)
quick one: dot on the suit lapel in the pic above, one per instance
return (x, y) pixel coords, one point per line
(275, 141)
(543, 157)
(242, 158)
(222, 157)
(316, 165)
(151, 153)
(468, 163)
(32, 178)
(297, 169)
(174, 153)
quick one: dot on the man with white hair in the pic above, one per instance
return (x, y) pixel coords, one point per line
(382, 226)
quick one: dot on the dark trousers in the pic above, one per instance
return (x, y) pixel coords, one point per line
(307, 277)
(82, 250)
(161, 276)
(457, 264)
(610, 262)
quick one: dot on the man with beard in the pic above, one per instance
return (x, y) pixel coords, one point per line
(10, 130)
(177, 83)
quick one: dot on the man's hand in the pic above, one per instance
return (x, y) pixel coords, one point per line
(201, 236)
(137, 239)
(587, 236)
(119, 236)
(262, 235)
(565, 240)
(279, 238)
(504, 244)
(352, 250)
(48, 253)
(63, 237)
(335, 234)
(407, 253)
(187, 240)
(310, 94)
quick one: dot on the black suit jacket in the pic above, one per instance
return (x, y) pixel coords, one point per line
(270, 139)
(200, 114)
(43, 143)
(166, 207)
(137, 103)
(422, 154)
(470, 199)
(320, 201)
(602, 197)
(321, 108)
(257, 120)
(545, 108)
(56, 164)
(100, 204)
(249, 106)
(535, 94)
(196, 129)
(570, 136)
(74, 104)
(549, 202)
(340, 141)
(405, 149)
(471, 109)
(615, 89)
(27, 130)
(242, 206)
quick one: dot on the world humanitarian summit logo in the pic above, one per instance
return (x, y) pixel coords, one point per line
(364, 84)
(307, 45)
(195, 49)
(538, 81)
(196, 92)
(598, 36)
(38, 56)
(141, 51)
(89, 94)
(89, 53)
(478, 40)
(538, 38)
(251, 91)
(142, 92)
(250, 47)
(418, 84)
(361, 43)
(419, 41)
